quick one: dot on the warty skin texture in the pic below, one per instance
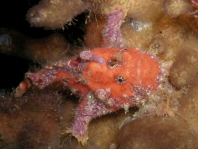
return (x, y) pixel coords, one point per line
(127, 80)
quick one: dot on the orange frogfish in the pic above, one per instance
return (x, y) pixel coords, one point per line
(105, 79)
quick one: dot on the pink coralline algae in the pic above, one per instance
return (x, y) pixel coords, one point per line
(195, 3)
(105, 79)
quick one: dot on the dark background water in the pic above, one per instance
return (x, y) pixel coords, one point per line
(13, 16)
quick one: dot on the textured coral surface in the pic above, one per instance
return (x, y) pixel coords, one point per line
(129, 80)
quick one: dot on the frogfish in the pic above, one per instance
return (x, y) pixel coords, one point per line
(105, 79)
